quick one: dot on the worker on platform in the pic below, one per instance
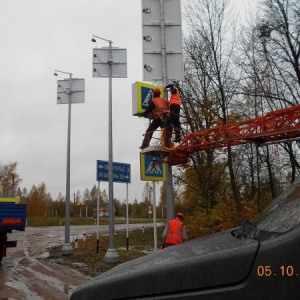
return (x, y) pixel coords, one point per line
(174, 106)
(157, 108)
(175, 232)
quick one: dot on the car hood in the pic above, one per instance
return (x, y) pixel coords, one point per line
(216, 260)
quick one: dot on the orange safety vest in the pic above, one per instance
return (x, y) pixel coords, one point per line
(174, 234)
(175, 99)
(160, 107)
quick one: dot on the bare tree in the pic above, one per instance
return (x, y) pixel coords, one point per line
(210, 82)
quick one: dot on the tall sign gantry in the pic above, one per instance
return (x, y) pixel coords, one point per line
(162, 55)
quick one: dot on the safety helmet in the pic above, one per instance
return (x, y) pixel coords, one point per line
(180, 214)
(156, 92)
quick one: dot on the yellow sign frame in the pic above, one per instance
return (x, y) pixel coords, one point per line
(144, 165)
(137, 95)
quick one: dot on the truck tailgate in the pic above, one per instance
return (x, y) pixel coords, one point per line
(12, 216)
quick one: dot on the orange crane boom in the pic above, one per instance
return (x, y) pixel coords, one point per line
(275, 126)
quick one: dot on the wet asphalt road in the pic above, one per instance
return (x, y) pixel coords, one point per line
(27, 274)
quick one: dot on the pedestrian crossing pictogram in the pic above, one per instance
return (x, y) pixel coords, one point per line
(151, 169)
(142, 93)
(154, 168)
(147, 95)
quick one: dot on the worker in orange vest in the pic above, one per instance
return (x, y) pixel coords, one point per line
(156, 109)
(174, 106)
(175, 232)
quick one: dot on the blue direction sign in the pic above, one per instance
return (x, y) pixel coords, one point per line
(121, 171)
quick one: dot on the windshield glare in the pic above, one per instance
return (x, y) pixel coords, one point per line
(284, 212)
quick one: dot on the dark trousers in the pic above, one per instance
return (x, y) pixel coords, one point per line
(155, 123)
(175, 119)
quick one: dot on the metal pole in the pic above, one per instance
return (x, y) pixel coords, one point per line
(127, 218)
(169, 183)
(67, 248)
(111, 254)
(98, 200)
(154, 217)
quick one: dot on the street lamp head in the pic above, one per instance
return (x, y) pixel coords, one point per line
(93, 40)
(55, 74)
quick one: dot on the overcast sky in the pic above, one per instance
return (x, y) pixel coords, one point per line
(39, 36)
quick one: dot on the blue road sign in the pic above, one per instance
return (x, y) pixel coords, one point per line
(121, 171)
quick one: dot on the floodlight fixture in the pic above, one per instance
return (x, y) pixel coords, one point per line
(148, 38)
(148, 68)
(147, 10)
(57, 71)
(103, 39)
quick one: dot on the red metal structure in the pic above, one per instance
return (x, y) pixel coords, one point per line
(275, 126)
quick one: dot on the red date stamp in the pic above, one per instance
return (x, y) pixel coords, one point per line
(284, 271)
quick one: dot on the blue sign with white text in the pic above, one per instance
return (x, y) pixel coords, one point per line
(121, 171)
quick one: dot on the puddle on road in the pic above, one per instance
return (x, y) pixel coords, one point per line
(22, 287)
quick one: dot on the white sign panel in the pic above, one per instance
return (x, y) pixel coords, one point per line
(152, 40)
(173, 36)
(75, 93)
(102, 59)
(153, 70)
(172, 11)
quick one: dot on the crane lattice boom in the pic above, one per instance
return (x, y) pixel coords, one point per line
(275, 126)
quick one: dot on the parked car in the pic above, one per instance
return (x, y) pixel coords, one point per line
(258, 260)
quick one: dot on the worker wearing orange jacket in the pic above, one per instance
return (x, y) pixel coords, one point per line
(175, 232)
(156, 108)
(174, 106)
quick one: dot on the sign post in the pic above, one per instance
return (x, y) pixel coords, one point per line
(151, 170)
(110, 62)
(122, 174)
(69, 91)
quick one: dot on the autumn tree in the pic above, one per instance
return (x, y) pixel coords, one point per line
(9, 179)
(39, 201)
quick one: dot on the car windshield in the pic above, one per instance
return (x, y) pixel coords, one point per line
(284, 212)
(281, 215)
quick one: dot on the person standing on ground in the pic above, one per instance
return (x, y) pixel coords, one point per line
(175, 232)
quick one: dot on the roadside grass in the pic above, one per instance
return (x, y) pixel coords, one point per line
(39, 221)
(86, 259)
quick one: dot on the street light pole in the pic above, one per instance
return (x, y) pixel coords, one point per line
(67, 247)
(111, 254)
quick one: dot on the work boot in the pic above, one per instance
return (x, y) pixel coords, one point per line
(145, 144)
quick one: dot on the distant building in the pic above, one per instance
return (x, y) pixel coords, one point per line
(103, 210)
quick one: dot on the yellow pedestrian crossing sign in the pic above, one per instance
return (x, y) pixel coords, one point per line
(151, 170)
(141, 94)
